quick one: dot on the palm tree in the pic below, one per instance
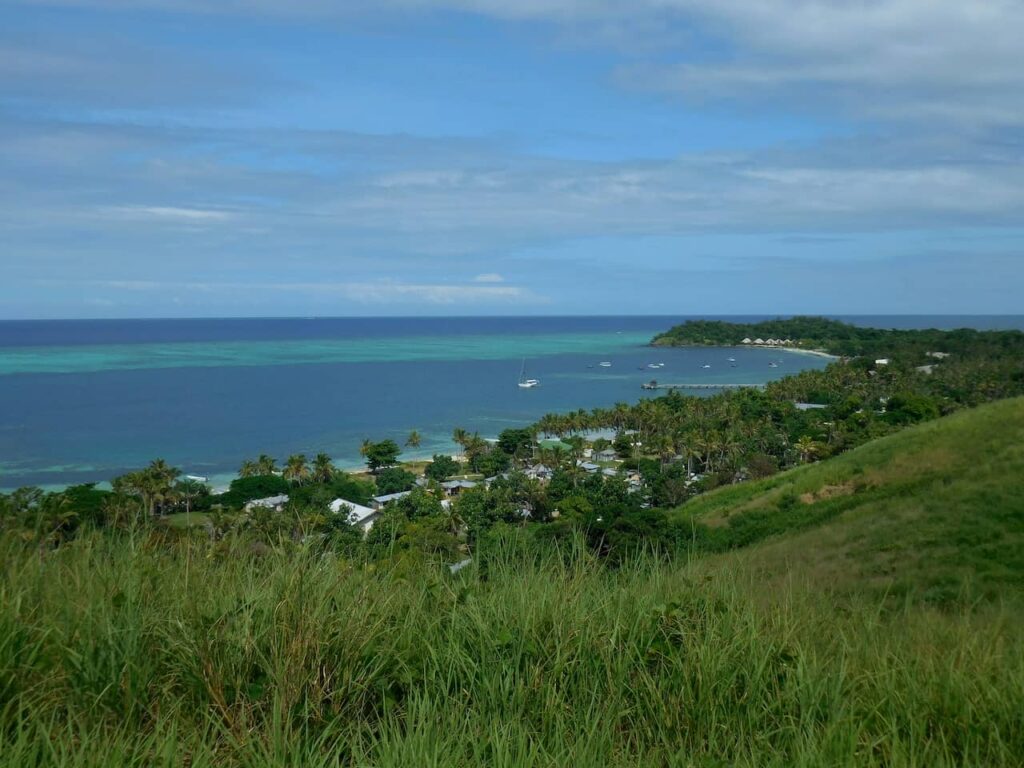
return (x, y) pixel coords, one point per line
(266, 464)
(158, 484)
(806, 447)
(460, 436)
(413, 440)
(249, 468)
(296, 470)
(323, 468)
(162, 472)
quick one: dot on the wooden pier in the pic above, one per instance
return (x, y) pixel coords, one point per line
(655, 385)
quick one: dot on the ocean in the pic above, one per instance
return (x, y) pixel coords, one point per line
(84, 401)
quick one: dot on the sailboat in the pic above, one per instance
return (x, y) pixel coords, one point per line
(525, 383)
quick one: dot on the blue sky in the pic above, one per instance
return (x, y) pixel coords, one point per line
(261, 157)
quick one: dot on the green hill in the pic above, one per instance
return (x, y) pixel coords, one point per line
(931, 510)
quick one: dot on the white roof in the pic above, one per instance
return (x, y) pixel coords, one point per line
(269, 501)
(391, 497)
(357, 513)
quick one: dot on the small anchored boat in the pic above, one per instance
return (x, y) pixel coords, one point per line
(525, 383)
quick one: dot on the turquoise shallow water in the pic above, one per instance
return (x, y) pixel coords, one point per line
(214, 354)
(85, 401)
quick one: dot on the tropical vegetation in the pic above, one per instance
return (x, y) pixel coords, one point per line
(738, 580)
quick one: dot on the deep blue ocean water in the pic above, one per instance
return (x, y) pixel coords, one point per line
(82, 401)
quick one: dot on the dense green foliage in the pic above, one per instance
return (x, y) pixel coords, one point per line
(441, 468)
(394, 480)
(379, 455)
(840, 338)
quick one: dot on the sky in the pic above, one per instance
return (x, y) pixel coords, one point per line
(207, 158)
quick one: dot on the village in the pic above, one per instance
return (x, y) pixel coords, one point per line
(579, 457)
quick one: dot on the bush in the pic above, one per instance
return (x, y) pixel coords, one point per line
(244, 489)
(441, 468)
(395, 480)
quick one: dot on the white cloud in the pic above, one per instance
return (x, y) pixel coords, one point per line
(489, 277)
(372, 292)
(955, 60)
(390, 293)
(165, 212)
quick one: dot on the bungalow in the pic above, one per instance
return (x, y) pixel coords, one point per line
(747, 341)
(938, 355)
(455, 487)
(608, 454)
(379, 501)
(588, 466)
(809, 406)
(357, 514)
(882, 361)
(610, 472)
(539, 472)
(275, 503)
(759, 341)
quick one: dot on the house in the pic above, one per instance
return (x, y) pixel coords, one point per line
(938, 355)
(455, 487)
(759, 341)
(747, 341)
(588, 466)
(539, 472)
(553, 444)
(610, 472)
(608, 454)
(357, 514)
(380, 501)
(275, 503)
(809, 406)
(882, 361)
(925, 369)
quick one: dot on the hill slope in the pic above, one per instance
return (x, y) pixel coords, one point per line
(932, 510)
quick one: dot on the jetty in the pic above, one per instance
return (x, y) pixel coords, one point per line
(656, 385)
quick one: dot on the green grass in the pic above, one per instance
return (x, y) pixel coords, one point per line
(125, 652)
(164, 648)
(186, 519)
(936, 510)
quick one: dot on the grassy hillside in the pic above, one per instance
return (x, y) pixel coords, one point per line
(121, 653)
(162, 647)
(933, 510)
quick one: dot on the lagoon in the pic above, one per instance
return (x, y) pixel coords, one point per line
(82, 401)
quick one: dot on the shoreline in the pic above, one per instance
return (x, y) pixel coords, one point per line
(799, 351)
(794, 350)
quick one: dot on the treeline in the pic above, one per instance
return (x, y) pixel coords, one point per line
(844, 339)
